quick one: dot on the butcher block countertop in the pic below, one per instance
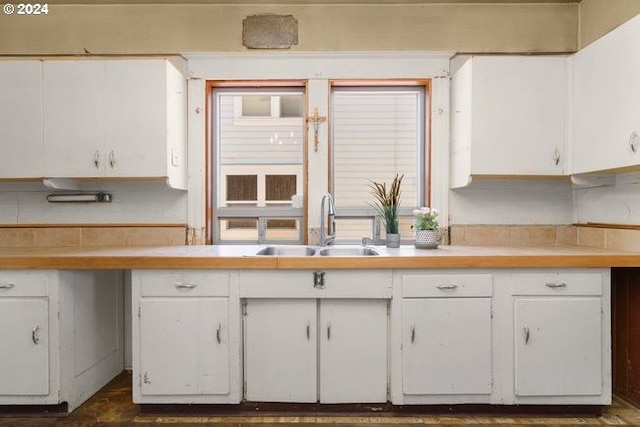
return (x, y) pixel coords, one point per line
(242, 257)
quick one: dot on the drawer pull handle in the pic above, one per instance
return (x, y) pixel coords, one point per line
(308, 330)
(35, 336)
(7, 286)
(413, 333)
(555, 285)
(218, 333)
(527, 335)
(328, 331)
(185, 285)
(96, 159)
(447, 287)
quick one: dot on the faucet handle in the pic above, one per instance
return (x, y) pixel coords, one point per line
(366, 241)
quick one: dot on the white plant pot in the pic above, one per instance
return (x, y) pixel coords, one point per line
(426, 239)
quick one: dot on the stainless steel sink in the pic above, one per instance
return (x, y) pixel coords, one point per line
(287, 251)
(348, 251)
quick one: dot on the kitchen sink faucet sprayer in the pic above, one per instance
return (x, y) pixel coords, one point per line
(327, 216)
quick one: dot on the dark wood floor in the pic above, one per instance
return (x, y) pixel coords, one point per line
(112, 407)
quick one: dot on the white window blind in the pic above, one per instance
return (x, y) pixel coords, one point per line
(376, 135)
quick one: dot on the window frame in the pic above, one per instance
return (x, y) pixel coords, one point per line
(262, 214)
(424, 153)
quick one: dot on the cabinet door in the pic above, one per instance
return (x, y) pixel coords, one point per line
(519, 110)
(353, 351)
(184, 346)
(24, 354)
(605, 100)
(135, 117)
(446, 346)
(558, 346)
(21, 119)
(73, 115)
(281, 350)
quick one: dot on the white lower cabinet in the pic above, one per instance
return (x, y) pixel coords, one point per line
(280, 350)
(307, 350)
(61, 339)
(184, 346)
(25, 359)
(447, 346)
(316, 336)
(558, 346)
(353, 350)
(185, 336)
(561, 336)
(447, 334)
(431, 336)
(520, 336)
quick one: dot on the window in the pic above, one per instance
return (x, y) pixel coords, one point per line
(273, 106)
(258, 164)
(377, 132)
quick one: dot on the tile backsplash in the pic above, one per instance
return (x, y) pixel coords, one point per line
(21, 237)
(532, 235)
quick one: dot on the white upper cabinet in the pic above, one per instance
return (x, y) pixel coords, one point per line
(21, 119)
(115, 118)
(606, 102)
(73, 119)
(508, 117)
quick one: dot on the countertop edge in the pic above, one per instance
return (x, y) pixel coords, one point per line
(186, 257)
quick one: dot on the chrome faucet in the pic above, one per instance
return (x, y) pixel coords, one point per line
(327, 220)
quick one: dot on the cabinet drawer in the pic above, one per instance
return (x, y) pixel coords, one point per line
(301, 284)
(197, 284)
(447, 285)
(557, 283)
(23, 284)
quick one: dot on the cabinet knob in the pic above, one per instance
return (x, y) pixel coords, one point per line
(35, 334)
(633, 141)
(556, 157)
(96, 159)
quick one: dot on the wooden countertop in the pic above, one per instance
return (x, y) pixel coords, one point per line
(242, 257)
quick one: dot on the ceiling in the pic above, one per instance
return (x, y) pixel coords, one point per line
(303, 2)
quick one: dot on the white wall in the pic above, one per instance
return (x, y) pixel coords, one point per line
(516, 202)
(133, 203)
(616, 204)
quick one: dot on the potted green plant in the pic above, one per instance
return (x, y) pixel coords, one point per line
(426, 228)
(387, 204)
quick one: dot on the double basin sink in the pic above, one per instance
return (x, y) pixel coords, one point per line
(294, 250)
